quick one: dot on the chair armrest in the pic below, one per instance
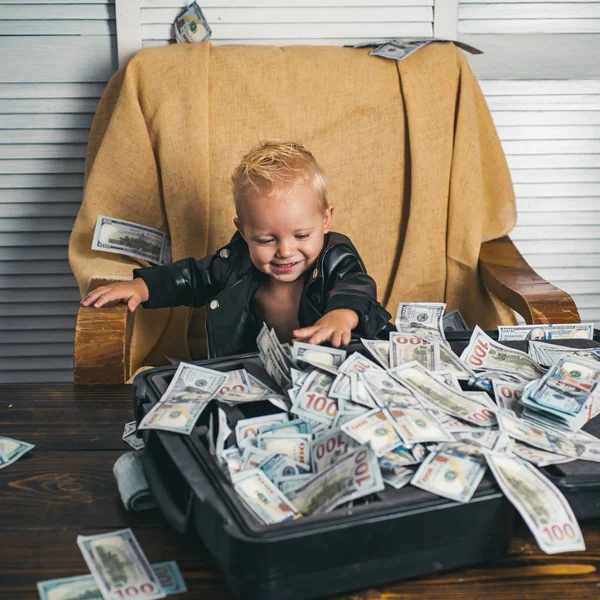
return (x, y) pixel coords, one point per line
(102, 342)
(506, 274)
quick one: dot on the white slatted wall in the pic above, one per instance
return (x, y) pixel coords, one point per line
(285, 22)
(55, 58)
(55, 61)
(550, 131)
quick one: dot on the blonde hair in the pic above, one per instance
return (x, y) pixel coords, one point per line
(271, 162)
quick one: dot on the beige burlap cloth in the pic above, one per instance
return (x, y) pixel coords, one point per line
(416, 171)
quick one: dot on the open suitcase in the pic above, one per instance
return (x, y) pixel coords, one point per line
(400, 534)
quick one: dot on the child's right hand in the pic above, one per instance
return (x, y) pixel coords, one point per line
(133, 292)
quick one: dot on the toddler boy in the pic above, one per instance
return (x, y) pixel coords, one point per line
(283, 266)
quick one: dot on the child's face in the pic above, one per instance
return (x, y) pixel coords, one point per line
(284, 230)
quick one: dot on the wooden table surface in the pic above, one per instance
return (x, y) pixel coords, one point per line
(65, 487)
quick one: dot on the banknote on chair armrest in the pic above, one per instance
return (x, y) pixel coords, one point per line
(507, 275)
(102, 341)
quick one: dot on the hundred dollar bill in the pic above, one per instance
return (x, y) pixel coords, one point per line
(258, 391)
(380, 350)
(233, 459)
(563, 398)
(296, 447)
(399, 479)
(484, 353)
(85, 587)
(359, 393)
(535, 436)
(275, 371)
(341, 388)
(328, 447)
(326, 488)
(423, 319)
(539, 457)
(280, 466)
(313, 401)
(222, 435)
(442, 396)
(485, 438)
(367, 475)
(416, 426)
(547, 354)
(399, 50)
(376, 428)
(178, 417)
(454, 321)
(237, 383)
(132, 239)
(292, 483)
(191, 26)
(249, 428)
(394, 462)
(252, 457)
(119, 566)
(552, 331)
(588, 446)
(297, 426)
(508, 394)
(130, 436)
(263, 497)
(321, 357)
(540, 503)
(11, 450)
(385, 390)
(450, 362)
(450, 474)
(192, 383)
(405, 348)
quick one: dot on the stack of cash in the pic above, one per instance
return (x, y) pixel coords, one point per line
(341, 426)
(566, 397)
(119, 569)
(547, 354)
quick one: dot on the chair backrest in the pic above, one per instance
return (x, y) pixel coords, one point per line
(415, 168)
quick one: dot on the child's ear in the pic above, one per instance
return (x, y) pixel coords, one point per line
(327, 218)
(239, 226)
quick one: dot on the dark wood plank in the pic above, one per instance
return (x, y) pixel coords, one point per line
(56, 490)
(40, 555)
(524, 573)
(508, 275)
(66, 416)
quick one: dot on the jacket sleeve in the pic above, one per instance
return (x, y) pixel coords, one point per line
(187, 282)
(352, 288)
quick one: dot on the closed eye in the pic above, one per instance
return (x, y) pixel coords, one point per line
(264, 242)
(302, 236)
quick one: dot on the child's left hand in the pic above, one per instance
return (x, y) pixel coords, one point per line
(335, 326)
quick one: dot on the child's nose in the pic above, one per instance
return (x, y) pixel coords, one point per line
(286, 250)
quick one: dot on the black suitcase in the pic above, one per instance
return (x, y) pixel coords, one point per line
(579, 481)
(400, 534)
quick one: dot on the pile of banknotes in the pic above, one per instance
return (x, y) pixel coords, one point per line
(334, 428)
(118, 569)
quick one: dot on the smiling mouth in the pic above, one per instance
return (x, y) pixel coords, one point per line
(285, 265)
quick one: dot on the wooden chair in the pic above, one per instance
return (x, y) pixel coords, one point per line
(102, 336)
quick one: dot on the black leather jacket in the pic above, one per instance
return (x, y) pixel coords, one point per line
(227, 281)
